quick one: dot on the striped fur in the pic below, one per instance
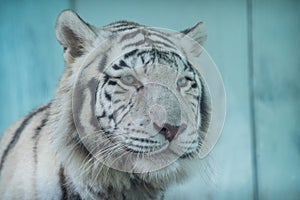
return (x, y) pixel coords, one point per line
(44, 155)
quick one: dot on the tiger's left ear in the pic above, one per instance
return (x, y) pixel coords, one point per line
(197, 33)
(192, 37)
(73, 34)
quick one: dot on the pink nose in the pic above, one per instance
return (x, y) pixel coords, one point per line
(169, 131)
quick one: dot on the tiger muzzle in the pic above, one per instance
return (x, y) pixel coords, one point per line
(163, 109)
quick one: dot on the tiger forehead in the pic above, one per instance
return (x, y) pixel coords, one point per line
(143, 46)
(146, 57)
(131, 34)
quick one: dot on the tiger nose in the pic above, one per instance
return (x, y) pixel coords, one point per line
(169, 131)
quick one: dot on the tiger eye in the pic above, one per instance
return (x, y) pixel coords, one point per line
(128, 79)
(182, 82)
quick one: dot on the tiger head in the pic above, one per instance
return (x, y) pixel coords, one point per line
(139, 104)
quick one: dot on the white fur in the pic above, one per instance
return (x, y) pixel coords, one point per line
(21, 178)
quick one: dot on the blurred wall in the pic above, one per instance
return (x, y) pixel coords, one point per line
(255, 44)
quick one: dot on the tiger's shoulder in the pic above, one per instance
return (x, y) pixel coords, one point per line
(19, 154)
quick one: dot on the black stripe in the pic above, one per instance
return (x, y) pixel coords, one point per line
(155, 42)
(144, 52)
(141, 146)
(162, 196)
(106, 78)
(159, 31)
(130, 35)
(111, 117)
(116, 67)
(138, 43)
(131, 53)
(130, 106)
(124, 29)
(159, 34)
(36, 137)
(39, 128)
(66, 192)
(110, 82)
(75, 196)
(62, 182)
(117, 101)
(107, 95)
(194, 85)
(123, 89)
(120, 92)
(122, 63)
(125, 114)
(142, 139)
(119, 108)
(122, 23)
(204, 109)
(123, 196)
(18, 132)
(101, 116)
(179, 57)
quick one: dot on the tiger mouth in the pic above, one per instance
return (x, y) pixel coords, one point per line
(145, 146)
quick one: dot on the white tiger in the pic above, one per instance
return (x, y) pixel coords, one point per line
(139, 81)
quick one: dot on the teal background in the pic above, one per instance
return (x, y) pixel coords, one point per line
(255, 44)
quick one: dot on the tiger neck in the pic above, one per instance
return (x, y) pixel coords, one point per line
(123, 186)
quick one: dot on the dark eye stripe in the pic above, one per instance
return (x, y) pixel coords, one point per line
(110, 82)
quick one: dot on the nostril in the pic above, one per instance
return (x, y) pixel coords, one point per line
(167, 130)
(163, 131)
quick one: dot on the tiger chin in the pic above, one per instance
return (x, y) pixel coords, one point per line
(128, 119)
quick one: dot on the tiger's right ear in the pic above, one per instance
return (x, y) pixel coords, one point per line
(73, 34)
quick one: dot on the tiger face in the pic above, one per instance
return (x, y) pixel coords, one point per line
(139, 104)
(151, 105)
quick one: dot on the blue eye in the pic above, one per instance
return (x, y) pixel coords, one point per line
(128, 79)
(182, 82)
